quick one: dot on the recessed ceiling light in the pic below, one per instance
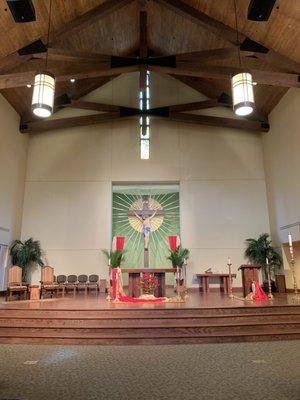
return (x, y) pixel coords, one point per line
(28, 85)
(72, 80)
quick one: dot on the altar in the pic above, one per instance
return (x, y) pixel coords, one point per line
(134, 276)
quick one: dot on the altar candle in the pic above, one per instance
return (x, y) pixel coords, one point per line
(109, 262)
(267, 261)
(228, 261)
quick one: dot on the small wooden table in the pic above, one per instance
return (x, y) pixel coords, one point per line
(34, 291)
(223, 279)
(134, 276)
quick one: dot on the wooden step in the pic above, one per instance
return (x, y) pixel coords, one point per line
(151, 332)
(146, 322)
(149, 341)
(147, 313)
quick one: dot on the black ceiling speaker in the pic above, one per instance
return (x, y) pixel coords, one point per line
(260, 10)
(22, 10)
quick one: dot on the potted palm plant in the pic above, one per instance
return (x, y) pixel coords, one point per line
(114, 257)
(178, 258)
(258, 250)
(26, 255)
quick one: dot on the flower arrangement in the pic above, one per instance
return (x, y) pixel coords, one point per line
(148, 283)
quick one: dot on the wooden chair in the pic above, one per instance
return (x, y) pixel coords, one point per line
(15, 284)
(93, 282)
(82, 283)
(71, 283)
(47, 281)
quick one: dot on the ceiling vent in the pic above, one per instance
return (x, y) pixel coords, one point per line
(22, 10)
(260, 10)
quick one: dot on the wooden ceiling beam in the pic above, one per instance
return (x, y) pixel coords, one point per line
(58, 54)
(282, 79)
(88, 105)
(224, 31)
(63, 123)
(219, 72)
(199, 105)
(20, 79)
(219, 121)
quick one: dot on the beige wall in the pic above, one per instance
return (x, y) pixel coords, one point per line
(70, 172)
(13, 156)
(282, 163)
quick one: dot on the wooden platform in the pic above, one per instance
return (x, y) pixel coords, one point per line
(203, 318)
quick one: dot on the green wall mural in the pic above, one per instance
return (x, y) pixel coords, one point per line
(131, 207)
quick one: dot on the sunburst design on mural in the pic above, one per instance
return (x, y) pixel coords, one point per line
(131, 226)
(155, 222)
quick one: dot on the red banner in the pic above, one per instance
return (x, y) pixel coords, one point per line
(120, 242)
(174, 242)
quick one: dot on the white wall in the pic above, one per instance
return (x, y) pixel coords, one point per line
(13, 156)
(282, 163)
(70, 172)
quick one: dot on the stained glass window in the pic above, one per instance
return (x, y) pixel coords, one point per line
(144, 100)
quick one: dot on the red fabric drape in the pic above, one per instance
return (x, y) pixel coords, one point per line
(173, 242)
(114, 282)
(120, 242)
(259, 293)
(126, 299)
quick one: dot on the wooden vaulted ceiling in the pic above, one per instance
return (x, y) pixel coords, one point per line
(173, 27)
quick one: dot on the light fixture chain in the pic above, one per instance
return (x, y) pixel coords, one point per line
(237, 34)
(48, 34)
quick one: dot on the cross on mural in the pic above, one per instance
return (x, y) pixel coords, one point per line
(145, 216)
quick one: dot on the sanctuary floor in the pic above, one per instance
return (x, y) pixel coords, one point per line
(195, 299)
(227, 371)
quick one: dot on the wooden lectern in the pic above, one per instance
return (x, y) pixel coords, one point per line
(249, 273)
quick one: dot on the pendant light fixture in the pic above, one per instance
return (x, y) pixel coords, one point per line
(241, 84)
(44, 86)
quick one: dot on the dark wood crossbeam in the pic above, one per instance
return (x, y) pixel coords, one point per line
(283, 79)
(199, 105)
(224, 31)
(59, 54)
(115, 113)
(88, 105)
(52, 124)
(219, 72)
(20, 79)
(219, 121)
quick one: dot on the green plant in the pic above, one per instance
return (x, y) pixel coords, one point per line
(258, 250)
(178, 256)
(25, 254)
(114, 257)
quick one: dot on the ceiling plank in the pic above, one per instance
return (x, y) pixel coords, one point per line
(87, 19)
(219, 121)
(221, 30)
(63, 123)
(74, 26)
(219, 72)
